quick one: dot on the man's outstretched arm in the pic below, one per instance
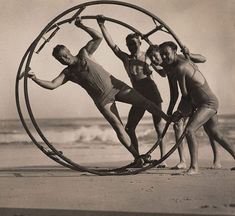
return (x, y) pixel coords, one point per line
(53, 84)
(93, 44)
(120, 54)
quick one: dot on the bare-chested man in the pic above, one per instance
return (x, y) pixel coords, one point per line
(139, 73)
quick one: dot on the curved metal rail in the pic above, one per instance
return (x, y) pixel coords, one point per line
(28, 56)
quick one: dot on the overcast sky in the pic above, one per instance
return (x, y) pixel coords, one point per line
(204, 26)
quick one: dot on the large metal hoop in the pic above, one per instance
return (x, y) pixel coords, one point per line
(59, 157)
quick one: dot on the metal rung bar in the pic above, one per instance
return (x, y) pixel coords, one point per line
(165, 31)
(155, 22)
(115, 21)
(53, 33)
(153, 31)
(48, 39)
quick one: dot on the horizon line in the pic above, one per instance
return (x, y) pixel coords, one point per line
(92, 117)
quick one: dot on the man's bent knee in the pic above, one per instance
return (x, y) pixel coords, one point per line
(189, 131)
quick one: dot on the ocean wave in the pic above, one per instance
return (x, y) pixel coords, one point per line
(91, 132)
(84, 134)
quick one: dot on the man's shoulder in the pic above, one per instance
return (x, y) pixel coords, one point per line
(183, 67)
(82, 52)
(124, 57)
(121, 54)
(183, 64)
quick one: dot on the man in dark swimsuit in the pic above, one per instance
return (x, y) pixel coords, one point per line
(102, 87)
(155, 58)
(194, 89)
(140, 75)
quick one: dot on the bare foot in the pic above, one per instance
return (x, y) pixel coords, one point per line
(180, 165)
(162, 165)
(216, 165)
(192, 171)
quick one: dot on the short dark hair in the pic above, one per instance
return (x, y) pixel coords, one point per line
(152, 48)
(57, 49)
(168, 43)
(132, 36)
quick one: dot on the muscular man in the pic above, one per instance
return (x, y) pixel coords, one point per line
(139, 74)
(196, 91)
(155, 58)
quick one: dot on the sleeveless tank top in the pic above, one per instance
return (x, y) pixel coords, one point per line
(95, 80)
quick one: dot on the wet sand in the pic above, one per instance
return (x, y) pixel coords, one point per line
(31, 184)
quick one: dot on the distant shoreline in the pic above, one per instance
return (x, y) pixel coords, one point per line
(230, 115)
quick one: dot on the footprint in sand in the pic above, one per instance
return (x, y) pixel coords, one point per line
(205, 206)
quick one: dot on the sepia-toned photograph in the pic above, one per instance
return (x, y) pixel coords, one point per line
(113, 107)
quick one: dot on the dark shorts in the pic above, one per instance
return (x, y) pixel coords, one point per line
(148, 89)
(109, 96)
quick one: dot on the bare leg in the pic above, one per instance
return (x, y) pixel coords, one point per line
(131, 96)
(158, 128)
(200, 117)
(212, 127)
(110, 113)
(178, 129)
(215, 149)
(134, 117)
(213, 123)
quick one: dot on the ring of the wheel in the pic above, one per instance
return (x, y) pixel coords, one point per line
(59, 157)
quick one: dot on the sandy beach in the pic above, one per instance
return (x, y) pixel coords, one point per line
(32, 184)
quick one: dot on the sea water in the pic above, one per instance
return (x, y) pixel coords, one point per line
(93, 139)
(92, 131)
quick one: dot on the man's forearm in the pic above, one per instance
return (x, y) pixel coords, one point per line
(158, 69)
(44, 84)
(92, 32)
(107, 36)
(197, 58)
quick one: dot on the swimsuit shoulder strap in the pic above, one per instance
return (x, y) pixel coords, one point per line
(194, 67)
